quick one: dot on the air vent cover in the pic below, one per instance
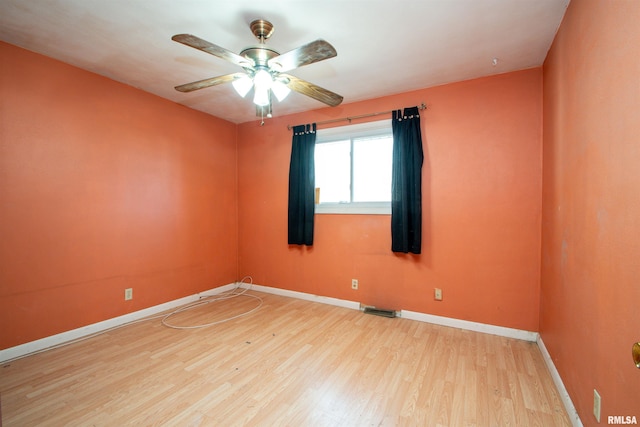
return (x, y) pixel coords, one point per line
(380, 312)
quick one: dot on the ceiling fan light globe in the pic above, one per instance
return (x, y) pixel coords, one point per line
(242, 85)
(262, 80)
(261, 96)
(280, 90)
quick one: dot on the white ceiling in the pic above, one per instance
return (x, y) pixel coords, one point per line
(384, 46)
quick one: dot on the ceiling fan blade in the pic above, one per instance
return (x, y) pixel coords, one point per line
(201, 84)
(215, 50)
(304, 55)
(311, 90)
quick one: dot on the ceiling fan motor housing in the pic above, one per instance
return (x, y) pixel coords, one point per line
(259, 55)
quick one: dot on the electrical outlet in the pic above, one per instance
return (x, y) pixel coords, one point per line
(437, 294)
(354, 284)
(596, 404)
(128, 294)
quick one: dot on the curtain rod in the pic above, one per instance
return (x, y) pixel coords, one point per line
(421, 107)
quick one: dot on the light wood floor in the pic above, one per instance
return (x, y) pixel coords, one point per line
(291, 363)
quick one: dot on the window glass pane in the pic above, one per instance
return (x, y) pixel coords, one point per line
(332, 163)
(372, 169)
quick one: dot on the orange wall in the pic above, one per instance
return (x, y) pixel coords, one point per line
(590, 280)
(482, 204)
(104, 187)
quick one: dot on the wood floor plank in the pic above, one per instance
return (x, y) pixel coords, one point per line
(291, 362)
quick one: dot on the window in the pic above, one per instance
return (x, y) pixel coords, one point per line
(353, 169)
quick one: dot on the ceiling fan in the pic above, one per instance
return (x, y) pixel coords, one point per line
(264, 69)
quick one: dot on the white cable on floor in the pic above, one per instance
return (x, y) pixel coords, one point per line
(203, 300)
(213, 298)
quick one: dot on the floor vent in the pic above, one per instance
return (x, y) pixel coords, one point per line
(380, 312)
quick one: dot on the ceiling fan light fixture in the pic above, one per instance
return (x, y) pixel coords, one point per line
(280, 90)
(242, 85)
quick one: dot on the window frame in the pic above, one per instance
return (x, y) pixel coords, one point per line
(349, 132)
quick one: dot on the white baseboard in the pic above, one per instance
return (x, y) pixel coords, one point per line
(412, 315)
(304, 296)
(471, 326)
(74, 334)
(562, 391)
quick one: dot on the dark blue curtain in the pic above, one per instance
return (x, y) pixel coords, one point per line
(406, 182)
(302, 185)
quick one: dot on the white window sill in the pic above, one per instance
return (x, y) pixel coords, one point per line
(361, 208)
